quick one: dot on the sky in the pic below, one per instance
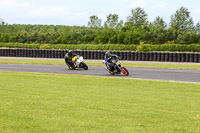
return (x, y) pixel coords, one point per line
(78, 12)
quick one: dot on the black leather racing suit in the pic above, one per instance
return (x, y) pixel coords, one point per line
(69, 62)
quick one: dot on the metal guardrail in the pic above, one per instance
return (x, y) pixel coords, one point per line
(99, 55)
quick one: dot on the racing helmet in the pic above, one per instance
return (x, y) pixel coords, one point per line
(107, 54)
(70, 53)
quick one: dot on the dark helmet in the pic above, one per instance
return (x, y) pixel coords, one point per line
(107, 53)
(70, 53)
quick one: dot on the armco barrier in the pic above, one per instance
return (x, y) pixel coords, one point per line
(87, 54)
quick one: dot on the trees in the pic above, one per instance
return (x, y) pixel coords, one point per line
(136, 29)
(159, 23)
(2, 22)
(183, 26)
(111, 28)
(94, 22)
(136, 26)
(181, 20)
(112, 22)
(197, 28)
(138, 17)
(158, 31)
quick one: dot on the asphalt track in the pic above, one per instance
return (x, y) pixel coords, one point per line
(184, 75)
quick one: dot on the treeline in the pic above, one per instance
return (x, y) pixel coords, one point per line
(136, 29)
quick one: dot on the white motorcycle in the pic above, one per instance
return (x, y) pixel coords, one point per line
(78, 62)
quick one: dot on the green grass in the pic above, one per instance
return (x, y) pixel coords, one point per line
(32, 61)
(49, 103)
(90, 63)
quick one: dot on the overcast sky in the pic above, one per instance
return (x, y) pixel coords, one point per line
(77, 12)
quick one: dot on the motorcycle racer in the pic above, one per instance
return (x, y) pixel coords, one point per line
(108, 61)
(69, 59)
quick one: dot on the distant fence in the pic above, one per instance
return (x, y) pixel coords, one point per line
(99, 55)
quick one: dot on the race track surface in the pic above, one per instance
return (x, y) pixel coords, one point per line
(186, 75)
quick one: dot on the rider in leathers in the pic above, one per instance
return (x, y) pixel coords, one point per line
(68, 59)
(108, 61)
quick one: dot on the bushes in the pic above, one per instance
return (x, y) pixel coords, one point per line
(44, 46)
(177, 47)
(20, 45)
(71, 46)
(143, 47)
(119, 47)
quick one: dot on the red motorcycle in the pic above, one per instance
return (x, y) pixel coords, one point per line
(117, 67)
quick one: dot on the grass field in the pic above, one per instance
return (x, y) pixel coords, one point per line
(93, 63)
(36, 102)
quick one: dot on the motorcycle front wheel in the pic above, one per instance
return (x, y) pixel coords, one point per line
(125, 71)
(85, 67)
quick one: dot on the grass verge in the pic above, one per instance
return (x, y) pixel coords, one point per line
(90, 63)
(37, 102)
